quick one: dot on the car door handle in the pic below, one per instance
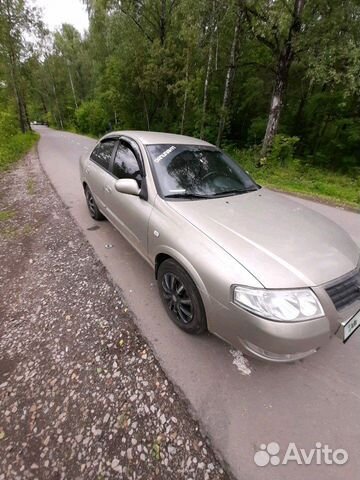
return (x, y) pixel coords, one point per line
(87, 170)
(107, 189)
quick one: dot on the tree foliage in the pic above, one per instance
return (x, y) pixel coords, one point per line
(281, 74)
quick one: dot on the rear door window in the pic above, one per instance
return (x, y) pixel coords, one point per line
(102, 153)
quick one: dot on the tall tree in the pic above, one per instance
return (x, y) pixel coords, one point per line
(280, 37)
(230, 74)
(170, 65)
(17, 19)
(69, 46)
(212, 31)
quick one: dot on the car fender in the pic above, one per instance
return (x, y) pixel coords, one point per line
(170, 234)
(185, 263)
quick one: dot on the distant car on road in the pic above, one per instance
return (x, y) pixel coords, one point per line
(40, 122)
(268, 275)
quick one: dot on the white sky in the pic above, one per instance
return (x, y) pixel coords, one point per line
(56, 12)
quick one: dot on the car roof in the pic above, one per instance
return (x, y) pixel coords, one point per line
(155, 138)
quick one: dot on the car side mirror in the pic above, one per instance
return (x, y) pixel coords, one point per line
(127, 185)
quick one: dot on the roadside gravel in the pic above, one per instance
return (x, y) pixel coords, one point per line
(81, 393)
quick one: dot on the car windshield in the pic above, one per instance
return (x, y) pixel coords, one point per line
(193, 171)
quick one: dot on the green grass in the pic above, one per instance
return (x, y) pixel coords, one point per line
(31, 186)
(305, 179)
(15, 147)
(6, 215)
(11, 232)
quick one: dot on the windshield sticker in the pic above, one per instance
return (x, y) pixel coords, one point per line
(164, 154)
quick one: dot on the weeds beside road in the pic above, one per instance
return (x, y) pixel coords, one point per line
(81, 393)
(14, 147)
(300, 177)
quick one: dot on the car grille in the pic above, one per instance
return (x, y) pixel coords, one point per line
(345, 292)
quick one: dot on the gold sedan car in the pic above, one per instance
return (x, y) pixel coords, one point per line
(259, 270)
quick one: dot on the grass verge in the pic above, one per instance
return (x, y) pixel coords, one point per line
(6, 215)
(15, 147)
(305, 179)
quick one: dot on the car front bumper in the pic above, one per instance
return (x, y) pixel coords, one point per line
(274, 341)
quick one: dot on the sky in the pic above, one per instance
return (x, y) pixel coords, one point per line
(56, 12)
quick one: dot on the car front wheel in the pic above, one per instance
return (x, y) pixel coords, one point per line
(181, 298)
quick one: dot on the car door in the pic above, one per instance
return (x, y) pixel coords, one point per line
(97, 170)
(129, 213)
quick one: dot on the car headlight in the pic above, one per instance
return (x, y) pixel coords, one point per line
(280, 305)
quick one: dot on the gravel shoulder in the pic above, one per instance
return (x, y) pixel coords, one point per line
(81, 393)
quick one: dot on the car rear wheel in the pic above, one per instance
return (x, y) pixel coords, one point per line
(181, 298)
(93, 208)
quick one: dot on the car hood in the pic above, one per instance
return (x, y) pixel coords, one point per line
(281, 242)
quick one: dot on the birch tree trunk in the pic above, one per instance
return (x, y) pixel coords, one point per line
(285, 60)
(185, 94)
(72, 84)
(213, 28)
(57, 105)
(53, 87)
(146, 111)
(206, 89)
(229, 80)
(277, 102)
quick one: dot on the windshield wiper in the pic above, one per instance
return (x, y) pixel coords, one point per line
(212, 195)
(186, 195)
(234, 192)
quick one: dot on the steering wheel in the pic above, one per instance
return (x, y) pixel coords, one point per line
(209, 174)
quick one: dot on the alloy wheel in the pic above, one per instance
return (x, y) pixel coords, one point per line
(177, 298)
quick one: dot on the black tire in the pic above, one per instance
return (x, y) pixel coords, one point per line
(91, 204)
(181, 298)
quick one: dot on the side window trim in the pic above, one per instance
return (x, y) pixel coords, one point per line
(136, 151)
(104, 140)
(91, 158)
(130, 143)
(113, 155)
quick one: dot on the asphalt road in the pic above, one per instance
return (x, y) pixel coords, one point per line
(315, 400)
